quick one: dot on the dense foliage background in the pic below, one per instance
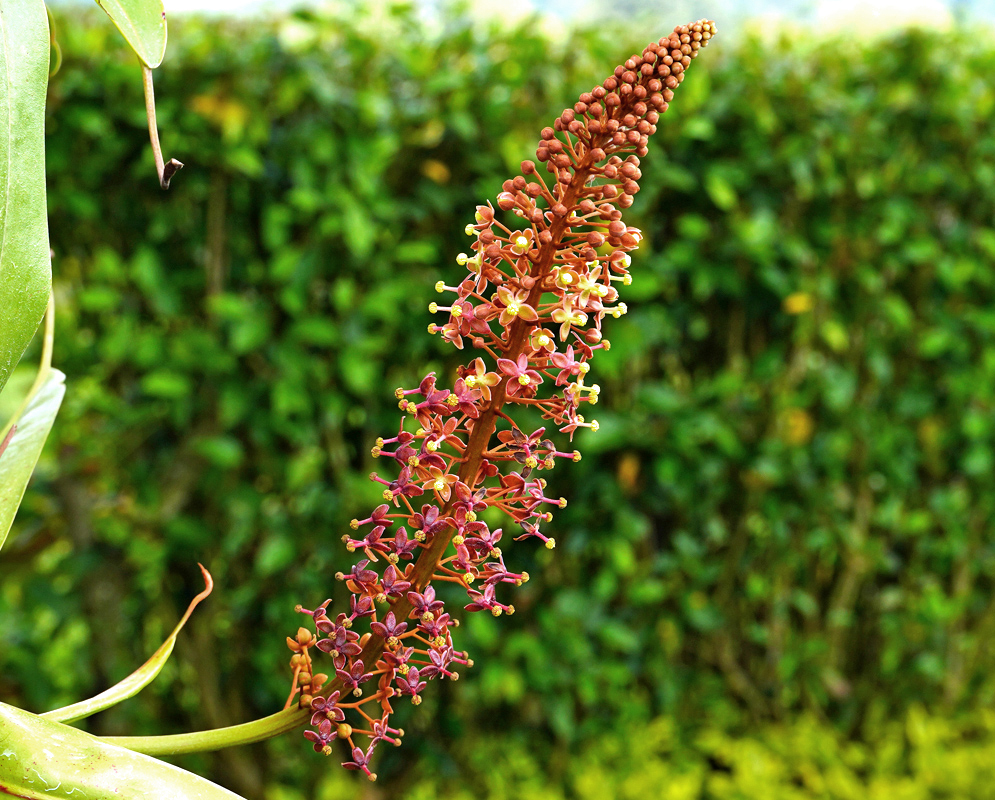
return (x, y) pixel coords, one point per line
(775, 574)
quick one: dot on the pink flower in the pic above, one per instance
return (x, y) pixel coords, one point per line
(477, 377)
(440, 482)
(515, 306)
(521, 380)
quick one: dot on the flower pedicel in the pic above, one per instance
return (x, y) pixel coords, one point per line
(533, 304)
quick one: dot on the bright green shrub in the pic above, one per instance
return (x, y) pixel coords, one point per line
(793, 510)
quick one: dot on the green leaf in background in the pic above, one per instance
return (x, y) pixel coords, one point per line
(31, 429)
(42, 759)
(138, 679)
(143, 24)
(25, 264)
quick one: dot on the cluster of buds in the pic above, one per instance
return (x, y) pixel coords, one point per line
(533, 303)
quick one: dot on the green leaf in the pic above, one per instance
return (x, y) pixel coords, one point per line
(138, 679)
(42, 759)
(30, 430)
(25, 265)
(143, 24)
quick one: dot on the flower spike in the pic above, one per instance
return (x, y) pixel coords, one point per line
(537, 291)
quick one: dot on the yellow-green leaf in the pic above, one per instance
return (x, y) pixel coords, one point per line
(25, 264)
(43, 759)
(143, 24)
(29, 431)
(138, 679)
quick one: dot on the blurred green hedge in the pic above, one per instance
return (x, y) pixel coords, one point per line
(787, 513)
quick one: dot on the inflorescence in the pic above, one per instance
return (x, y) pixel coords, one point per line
(533, 303)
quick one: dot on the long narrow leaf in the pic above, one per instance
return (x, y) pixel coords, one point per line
(138, 679)
(43, 759)
(143, 24)
(30, 430)
(25, 263)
